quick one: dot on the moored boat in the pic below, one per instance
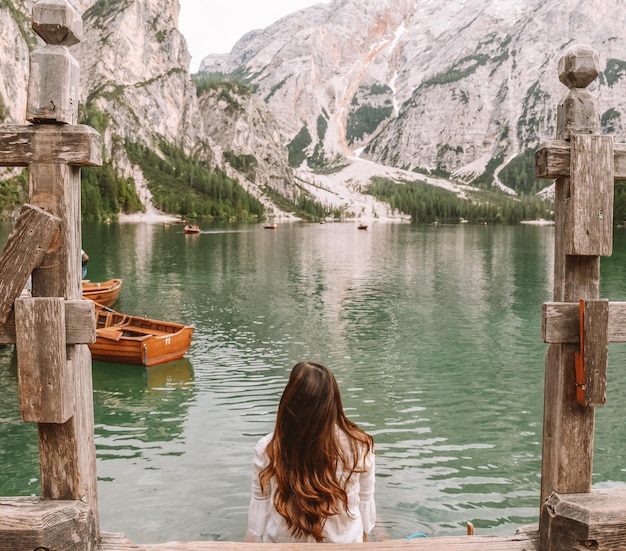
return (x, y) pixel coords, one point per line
(362, 226)
(102, 292)
(125, 339)
(270, 226)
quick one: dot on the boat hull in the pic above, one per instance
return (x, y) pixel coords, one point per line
(139, 341)
(105, 293)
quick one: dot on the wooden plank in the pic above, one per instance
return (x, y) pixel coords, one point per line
(46, 386)
(559, 323)
(28, 523)
(33, 232)
(596, 351)
(527, 539)
(595, 520)
(552, 160)
(22, 145)
(589, 214)
(80, 322)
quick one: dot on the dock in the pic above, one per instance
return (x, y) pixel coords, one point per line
(526, 540)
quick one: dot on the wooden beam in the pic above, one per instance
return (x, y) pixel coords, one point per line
(553, 160)
(30, 523)
(26, 246)
(560, 322)
(78, 145)
(80, 324)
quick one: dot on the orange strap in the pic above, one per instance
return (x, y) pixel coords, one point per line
(580, 358)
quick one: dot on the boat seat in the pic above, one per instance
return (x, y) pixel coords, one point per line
(147, 331)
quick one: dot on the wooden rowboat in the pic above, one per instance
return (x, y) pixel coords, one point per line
(192, 228)
(103, 292)
(125, 339)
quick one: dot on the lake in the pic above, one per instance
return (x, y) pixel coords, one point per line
(433, 333)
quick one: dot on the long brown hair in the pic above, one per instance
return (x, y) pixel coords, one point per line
(306, 450)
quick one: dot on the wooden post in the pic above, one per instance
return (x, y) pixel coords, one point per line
(67, 450)
(583, 216)
(51, 329)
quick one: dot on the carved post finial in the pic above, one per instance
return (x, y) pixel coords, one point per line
(578, 113)
(53, 85)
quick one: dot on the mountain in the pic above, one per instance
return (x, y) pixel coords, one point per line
(456, 94)
(465, 88)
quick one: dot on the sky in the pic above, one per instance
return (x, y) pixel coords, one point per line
(213, 26)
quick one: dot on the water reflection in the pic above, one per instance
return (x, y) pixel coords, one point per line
(19, 448)
(433, 333)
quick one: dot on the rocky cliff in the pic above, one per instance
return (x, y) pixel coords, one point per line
(465, 88)
(453, 93)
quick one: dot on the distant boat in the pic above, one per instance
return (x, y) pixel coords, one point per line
(270, 226)
(362, 226)
(103, 292)
(135, 340)
(192, 228)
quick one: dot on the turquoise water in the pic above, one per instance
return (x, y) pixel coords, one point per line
(433, 334)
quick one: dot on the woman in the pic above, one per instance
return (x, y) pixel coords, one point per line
(313, 477)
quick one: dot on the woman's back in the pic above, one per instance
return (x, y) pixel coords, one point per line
(313, 477)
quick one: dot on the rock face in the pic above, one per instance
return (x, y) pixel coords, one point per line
(464, 89)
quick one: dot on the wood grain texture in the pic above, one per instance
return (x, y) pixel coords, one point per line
(33, 232)
(46, 385)
(552, 160)
(527, 539)
(22, 145)
(595, 520)
(80, 324)
(589, 214)
(28, 524)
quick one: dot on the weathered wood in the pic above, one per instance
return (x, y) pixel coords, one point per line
(80, 321)
(66, 451)
(595, 351)
(77, 145)
(33, 232)
(577, 112)
(57, 22)
(54, 77)
(568, 434)
(595, 520)
(568, 428)
(553, 160)
(54, 81)
(46, 386)
(589, 215)
(28, 524)
(527, 539)
(559, 324)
